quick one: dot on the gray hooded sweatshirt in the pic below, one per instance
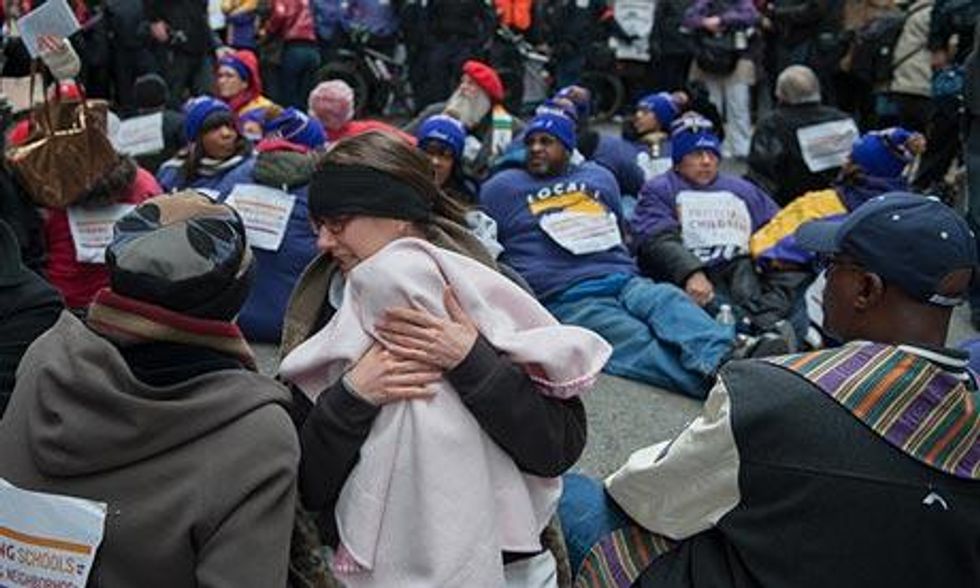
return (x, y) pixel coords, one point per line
(199, 477)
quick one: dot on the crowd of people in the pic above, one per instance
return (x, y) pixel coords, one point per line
(444, 292)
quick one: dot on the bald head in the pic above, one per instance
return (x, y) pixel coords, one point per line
(797, 84)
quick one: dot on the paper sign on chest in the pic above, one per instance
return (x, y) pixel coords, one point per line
(265, 212)
(141, 135)
(714, 220)
(91, 229)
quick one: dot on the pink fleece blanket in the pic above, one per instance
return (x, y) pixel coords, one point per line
(433, 500)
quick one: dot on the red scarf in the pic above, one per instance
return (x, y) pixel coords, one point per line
(128, 321)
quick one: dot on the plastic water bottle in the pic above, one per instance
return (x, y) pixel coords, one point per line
(725, 316)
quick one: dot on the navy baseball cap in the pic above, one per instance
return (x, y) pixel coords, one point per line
(911, 241)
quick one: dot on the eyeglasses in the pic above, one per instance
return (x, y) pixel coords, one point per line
(334, 226)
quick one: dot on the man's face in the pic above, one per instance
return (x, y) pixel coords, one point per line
(468, 87)
(843, 287)
(699, 167)
(546, 156)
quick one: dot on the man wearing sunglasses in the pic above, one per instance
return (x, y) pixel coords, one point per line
(847, 467)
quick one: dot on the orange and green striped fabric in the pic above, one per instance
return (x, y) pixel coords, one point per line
(619, 558)
(923, 411)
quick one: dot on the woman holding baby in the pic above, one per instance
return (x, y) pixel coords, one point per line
(439, 402)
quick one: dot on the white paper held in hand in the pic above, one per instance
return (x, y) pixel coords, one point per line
(54, 18)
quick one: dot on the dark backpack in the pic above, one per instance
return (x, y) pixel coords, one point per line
(873, 47)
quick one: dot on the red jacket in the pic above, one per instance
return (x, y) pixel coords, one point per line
(291, 20)
(78, 282)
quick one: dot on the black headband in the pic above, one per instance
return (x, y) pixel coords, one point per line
(338, 190)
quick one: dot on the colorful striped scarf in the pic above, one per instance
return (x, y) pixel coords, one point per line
(128, 321)
(925, 412)
(619, 558)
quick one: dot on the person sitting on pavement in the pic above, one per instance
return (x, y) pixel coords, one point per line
(610, 151)
(30, 306)
(275, 194)
(369, 185)
(812, 470)
(75, 261)
(692, 228)
(152, 96)
(477, 103)
(332, 103)
(613, 153)
(801, 144)
(560, 225)
(216, 156)
(153, 408)
(441, 138)
(652, 119)
(238, 82)
(877, 164)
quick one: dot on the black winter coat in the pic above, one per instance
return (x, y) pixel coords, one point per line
(189, 17)
(775, 161)
(29, 306)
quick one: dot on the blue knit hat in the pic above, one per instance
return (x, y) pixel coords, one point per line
(883, 153)
(296, 127)
(445, 130)
(692, 132)
(197, 110)
(232, 61)
(580, 96)
(557, 125)
(662, 106)
(559, 106)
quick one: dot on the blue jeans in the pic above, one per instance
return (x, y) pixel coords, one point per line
(587, 515)
(296, 70)
(659, 335)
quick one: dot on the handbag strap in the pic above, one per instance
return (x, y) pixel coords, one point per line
(35, 71)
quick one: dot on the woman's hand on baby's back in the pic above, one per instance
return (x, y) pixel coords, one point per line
(381, 377)
(420, 336)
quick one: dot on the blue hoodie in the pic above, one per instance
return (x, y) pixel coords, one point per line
(658, 209)
(519, 201)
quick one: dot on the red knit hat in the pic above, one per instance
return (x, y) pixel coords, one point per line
(486, 77)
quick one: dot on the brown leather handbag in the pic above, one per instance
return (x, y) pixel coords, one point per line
(66, 154)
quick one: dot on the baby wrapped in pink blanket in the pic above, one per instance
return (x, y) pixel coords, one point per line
(433, 500)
